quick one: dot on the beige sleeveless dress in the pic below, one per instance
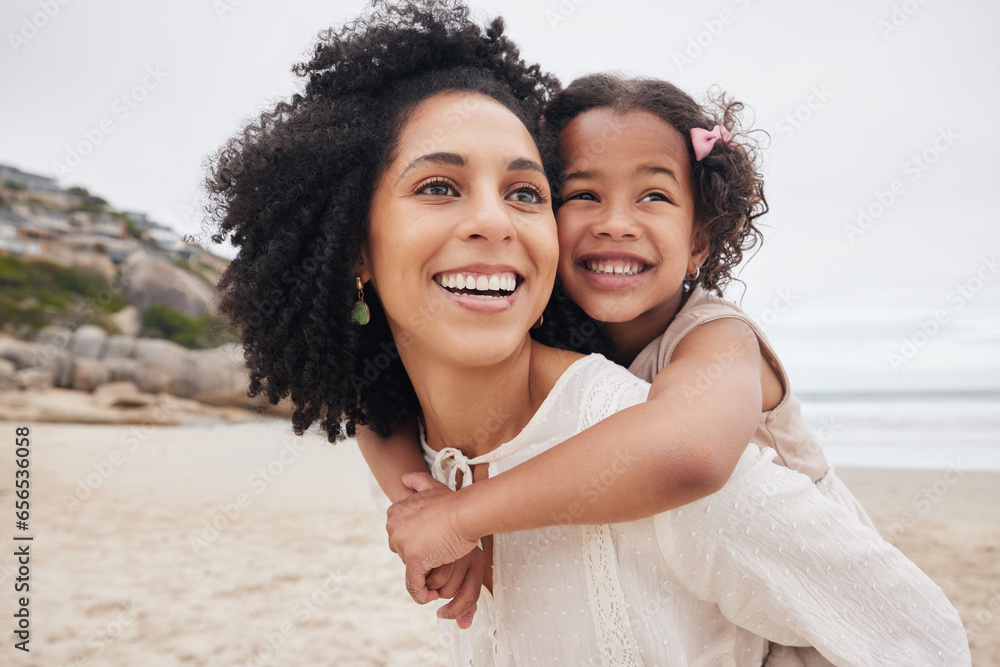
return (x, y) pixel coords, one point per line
(782, 428)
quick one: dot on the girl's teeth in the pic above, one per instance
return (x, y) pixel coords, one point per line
(494, 284)
(616, 267)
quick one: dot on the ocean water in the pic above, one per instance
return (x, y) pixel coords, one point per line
(911, 384)
(913, 430)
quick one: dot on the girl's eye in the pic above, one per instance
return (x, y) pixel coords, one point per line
(583, 196)
(656, 196)
(526, 193)
(437, 189)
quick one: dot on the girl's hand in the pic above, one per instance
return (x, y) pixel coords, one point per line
(463, 587)
(422, 531)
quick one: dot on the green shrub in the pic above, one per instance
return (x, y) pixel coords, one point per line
(37, 293)
(163, 321)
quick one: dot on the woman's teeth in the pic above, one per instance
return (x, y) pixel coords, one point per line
(479, 286)
(616, 267)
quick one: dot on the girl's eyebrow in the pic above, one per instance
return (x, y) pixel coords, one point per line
(577, 174)
(652, 169)
(453, 159)
(648, 169)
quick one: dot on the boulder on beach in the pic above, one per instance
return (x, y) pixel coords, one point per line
(41, 358)
(8, 375)
(88, 342)
(150, 280)
(89, 374)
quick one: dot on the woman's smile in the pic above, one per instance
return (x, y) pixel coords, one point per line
(481, 289)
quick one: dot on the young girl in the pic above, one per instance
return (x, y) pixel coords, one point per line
(403, 192)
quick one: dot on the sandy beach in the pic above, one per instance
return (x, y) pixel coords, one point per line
(243, 544)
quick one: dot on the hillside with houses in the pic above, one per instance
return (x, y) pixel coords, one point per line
(105, 314)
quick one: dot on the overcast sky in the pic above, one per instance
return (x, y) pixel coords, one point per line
(885, 106)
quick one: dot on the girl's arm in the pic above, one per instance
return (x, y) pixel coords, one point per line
(680, 445)
(391, 458)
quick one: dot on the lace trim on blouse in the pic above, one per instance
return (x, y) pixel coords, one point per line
(604, 593)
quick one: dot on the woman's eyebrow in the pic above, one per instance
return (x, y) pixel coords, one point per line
(524, 164)
(453, 159)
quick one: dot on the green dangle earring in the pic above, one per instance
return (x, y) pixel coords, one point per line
(360, 313)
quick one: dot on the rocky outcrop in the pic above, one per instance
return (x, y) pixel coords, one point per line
(136, 369)
(152, 280)
(114, 403)
(128, 321)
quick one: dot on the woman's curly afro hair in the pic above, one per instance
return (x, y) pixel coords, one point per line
(293, 189)
(728, 189)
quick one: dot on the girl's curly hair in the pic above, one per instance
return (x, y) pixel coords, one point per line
(293, 189)
(728, 189)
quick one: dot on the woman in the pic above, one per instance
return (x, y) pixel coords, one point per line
(404, 190)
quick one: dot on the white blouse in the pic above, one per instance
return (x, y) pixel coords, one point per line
(767, 558)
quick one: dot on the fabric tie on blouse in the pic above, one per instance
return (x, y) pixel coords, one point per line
(449, 461)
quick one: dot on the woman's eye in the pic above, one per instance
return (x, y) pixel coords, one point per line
(527, 194)
(437, 189)
(583, 196)
(656, 196)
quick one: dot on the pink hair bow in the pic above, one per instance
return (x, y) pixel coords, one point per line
(703, 140)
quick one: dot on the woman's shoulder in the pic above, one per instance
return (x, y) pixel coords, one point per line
(572, 378)
(600, 388)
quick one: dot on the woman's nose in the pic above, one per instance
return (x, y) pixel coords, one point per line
(488, 218)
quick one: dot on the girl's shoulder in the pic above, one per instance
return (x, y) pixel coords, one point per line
(700, 308)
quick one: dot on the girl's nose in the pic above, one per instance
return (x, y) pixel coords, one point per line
(616, 224)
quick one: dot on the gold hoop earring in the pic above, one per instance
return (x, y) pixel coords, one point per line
(538, 322)
(360, 313)
(693, 277)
